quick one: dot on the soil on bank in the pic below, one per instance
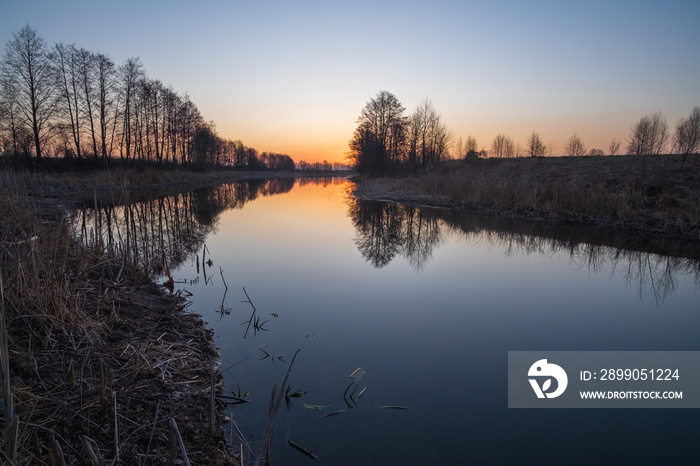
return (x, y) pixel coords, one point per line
(101, 359)
(651, 194)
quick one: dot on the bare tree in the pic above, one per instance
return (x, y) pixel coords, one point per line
(649, 135)
(614, 146)
(502, 146)
(106, 83)
(595, 152)
(87, 68)
(575, 146)
(8, 117)
(129, 75)
(379, 140)
(535, 146)
(687, 137)
(458, 148)
(471, 147)
(466, 149)
(550, 148)
(428, 135)
(70, 95)
(27, 74)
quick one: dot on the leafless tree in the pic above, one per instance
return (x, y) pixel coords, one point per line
(129, 75)
(471, 147)
(9, 124)
(649, 135)
(575, 146)
(687, 137)
(106, 83)
(595, 152)
(502, 146)
(614, 146)
(458, 148)
(550, 148)
(70, 96)
(379, 140)
(535, 146)
(428, 135)
(27, 75)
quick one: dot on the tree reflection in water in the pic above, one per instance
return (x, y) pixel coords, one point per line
(651, 264)
(159, 232)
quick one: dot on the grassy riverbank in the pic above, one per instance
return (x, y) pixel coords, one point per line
(82, 184)
(652, 194)
(98, 362)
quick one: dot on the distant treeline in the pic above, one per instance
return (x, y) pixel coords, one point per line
(66, 102)
(387, 140)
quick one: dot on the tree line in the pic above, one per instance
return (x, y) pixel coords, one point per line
(385, 139)
(67, 101)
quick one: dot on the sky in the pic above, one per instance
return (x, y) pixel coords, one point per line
(293, 76)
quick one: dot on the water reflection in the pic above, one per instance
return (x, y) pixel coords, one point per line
(386, 230)
(158, 231)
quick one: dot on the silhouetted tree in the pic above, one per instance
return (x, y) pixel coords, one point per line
(129, 75)
(76, 101)
(106, 75)
(29, 83)
(649, 135)
(502, 146)
(687, 137)
(379, 139)
(575, 146)
(614, 146)
(471, 147)
(535, 146)
(429, 138)
(10, 127)
(70, 95)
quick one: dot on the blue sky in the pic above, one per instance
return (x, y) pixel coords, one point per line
(292, 77)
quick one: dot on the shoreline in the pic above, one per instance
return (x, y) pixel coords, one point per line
(104, 363)
(593, 192)
(68, 184)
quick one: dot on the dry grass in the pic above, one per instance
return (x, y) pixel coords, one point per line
(101, 360)
(643, 193)
(81, 185)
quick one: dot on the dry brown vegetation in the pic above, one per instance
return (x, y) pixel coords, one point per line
(653, 194)
(98, 362)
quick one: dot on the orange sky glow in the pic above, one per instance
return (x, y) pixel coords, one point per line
(293, 77)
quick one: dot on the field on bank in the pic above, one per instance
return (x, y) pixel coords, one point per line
(651, 193)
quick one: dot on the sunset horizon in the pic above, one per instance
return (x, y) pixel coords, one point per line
(293, 79)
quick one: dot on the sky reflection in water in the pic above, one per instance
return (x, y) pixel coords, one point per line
(428, 303)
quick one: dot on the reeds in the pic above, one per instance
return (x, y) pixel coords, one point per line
(645, 193)
(100, 361)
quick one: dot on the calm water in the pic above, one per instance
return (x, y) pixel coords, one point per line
(428, 303)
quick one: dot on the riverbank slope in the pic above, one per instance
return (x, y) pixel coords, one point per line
(98, 362)
(657, 194)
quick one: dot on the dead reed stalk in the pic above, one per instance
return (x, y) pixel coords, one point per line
(81, 315)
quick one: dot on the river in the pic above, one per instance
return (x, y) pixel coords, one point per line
(403, 318)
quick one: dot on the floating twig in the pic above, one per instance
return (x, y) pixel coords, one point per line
(359, 395)
(316, 407)
(302, 450)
